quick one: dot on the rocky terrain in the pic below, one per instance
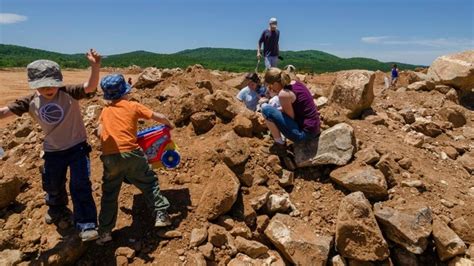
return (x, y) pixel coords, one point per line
(389, 182)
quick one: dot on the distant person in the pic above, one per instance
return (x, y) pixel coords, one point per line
(55, 107)
(130, 81)
(271, 50)
(394, 75)
(298, 119)
(122, 158)
(251, 94)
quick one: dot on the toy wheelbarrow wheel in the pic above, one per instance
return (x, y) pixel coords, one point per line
(170, 159)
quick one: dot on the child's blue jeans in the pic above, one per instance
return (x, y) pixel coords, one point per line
(54, 184)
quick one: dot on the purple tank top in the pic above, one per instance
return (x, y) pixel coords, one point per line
(306, 112)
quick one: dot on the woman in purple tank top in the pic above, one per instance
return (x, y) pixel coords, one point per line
(298, 119)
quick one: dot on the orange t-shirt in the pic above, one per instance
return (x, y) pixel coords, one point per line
(119, 126)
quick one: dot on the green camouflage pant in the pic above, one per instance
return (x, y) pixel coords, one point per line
(133, 166)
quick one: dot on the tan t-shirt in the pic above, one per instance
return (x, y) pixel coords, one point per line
(119, 126)
(59, 118)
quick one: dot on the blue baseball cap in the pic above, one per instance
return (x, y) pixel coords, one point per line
(114, 86)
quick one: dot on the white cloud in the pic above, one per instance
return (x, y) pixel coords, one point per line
(8, 18)
(374, 39)
(437, 43)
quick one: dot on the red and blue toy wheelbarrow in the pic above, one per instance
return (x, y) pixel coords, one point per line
(158, 147)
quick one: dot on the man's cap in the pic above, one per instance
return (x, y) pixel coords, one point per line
(44, 73)
(273, 21)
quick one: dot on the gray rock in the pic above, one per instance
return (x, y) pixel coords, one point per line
(456, 70)
(357, 234)
(198, 236)
(250, 248)
(148, 78)
(408, 115)
(368, 155)
(366, 179)
(467, 161)
(203, 122)
(448, 244)
(220, 193)
(287, 179)
(279, 203)
(462, 228)
(9, 189)
(335, 146)
(424, 85)
(10, 257)
(353, 90)
(453, 114)
(297, 242)
(338, 261)
(409, 229)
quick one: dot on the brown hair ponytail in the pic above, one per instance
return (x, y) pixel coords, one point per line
(277, 75)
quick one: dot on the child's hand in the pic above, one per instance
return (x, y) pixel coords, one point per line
(94, 57)
(263, 100)
(170, 124)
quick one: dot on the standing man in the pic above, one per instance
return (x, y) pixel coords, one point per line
(271, 50)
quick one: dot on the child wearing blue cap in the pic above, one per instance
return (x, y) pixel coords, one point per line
(123, 158)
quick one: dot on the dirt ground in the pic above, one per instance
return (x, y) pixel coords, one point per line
(313, 193)
(14, 84)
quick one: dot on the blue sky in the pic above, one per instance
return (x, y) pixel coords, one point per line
(411, 31)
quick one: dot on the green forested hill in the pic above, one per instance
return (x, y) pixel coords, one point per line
(237, 60)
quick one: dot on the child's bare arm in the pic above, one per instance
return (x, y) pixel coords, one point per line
(5, 112)
(161, 118)
(94, 59)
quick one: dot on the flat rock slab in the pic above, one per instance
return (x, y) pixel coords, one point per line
(335, 146)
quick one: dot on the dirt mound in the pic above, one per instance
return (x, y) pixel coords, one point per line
(265, 212)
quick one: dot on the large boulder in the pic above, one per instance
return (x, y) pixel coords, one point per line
(424, 85)
(410, 229)
(242, 126)
(467, 161)
(182, 108)
(427, 127)
(220, 193)
(172, 91)
(297, 242)
(203, 122)
(454, 115)
(463, 229)
(353, 90)
(10, 257)
(366, 179)
(448, 244)
(250, 248)
(335, 146)
(455, 70)
(233, 150)
(357, 234)
(9, 189)
(238, 82)
(224, 104)
(148, 78)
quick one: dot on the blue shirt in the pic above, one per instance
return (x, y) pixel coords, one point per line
(394, 73)
(250, 98)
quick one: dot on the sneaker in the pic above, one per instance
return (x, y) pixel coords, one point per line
(279, 149)
(53, 216)
(89, 235)
(104, 238)
(162, 219)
